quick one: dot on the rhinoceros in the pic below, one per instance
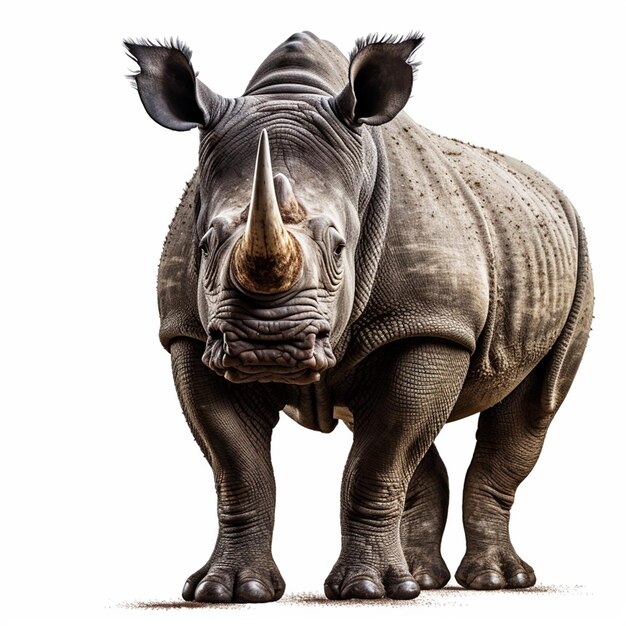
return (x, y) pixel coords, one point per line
(334, 260)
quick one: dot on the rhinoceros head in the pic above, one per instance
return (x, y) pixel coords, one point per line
(285, 175)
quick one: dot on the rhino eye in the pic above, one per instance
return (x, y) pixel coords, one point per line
(207, 241)
(336, 243)
(208, 246)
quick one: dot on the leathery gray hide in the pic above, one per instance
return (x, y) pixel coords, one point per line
(333, 259)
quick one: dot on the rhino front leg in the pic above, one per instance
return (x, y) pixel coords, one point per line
(234, 431)
(423, 522)
(404, 396)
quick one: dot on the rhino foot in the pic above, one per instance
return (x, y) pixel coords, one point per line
(215, 583)
(501, 569)
(364, 582)
(427, 567)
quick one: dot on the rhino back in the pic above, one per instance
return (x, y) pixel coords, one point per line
(481, 250)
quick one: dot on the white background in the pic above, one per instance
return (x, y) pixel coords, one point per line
(106, 499)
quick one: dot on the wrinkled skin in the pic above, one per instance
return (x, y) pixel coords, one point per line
(317, 306)
(438, 280)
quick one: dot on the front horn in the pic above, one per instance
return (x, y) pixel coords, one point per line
(267, 259)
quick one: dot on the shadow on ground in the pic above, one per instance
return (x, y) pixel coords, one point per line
(452, 595)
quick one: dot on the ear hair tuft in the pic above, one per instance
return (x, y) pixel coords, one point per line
(375, 38)
(173, 43)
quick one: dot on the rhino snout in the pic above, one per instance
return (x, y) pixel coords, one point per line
(250, 351)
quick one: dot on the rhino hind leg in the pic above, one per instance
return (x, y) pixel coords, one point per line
(509, 439)
(423, 522)
(234, 433)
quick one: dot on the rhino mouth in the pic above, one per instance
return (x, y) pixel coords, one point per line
(249, 351)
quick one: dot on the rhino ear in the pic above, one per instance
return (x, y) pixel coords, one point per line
(380, 79)
(168, 87)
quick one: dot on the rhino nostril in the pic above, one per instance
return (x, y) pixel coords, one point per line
(216, 335)
(324, 334)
